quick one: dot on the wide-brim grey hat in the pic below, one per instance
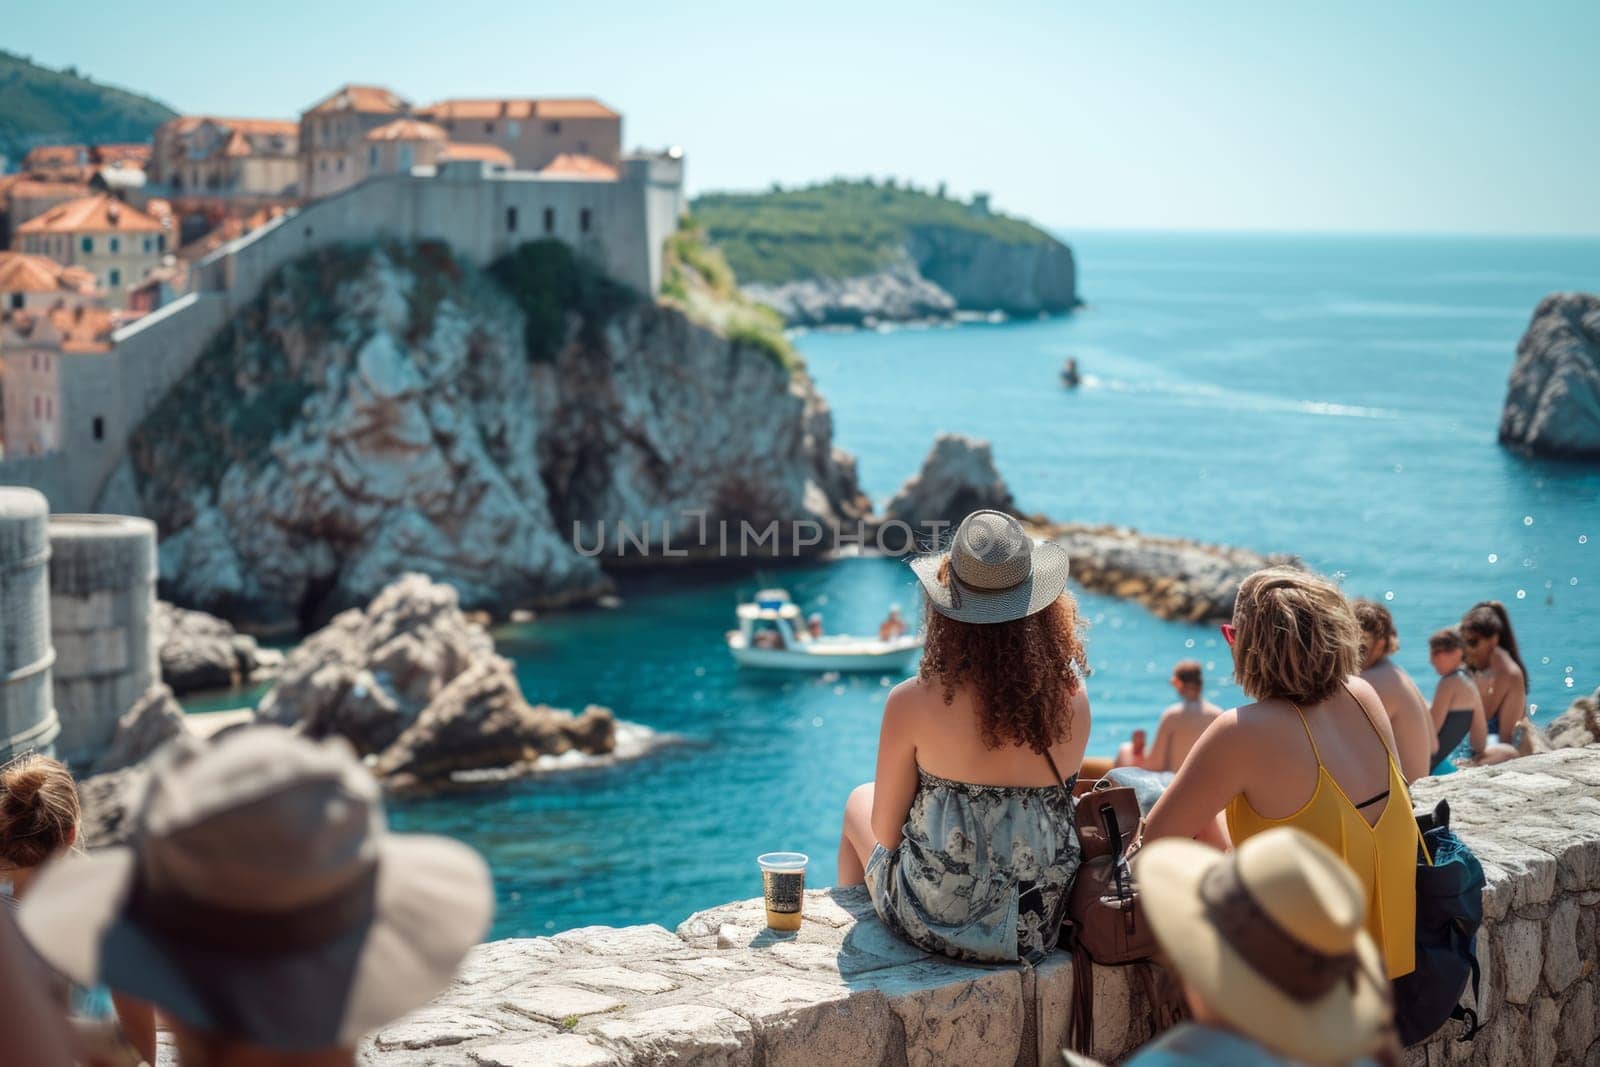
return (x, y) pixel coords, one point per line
(997, 572)
(263, 898)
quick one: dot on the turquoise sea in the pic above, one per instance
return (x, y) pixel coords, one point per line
(1337, 397)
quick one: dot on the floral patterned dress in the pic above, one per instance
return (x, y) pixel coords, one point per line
(983, 871)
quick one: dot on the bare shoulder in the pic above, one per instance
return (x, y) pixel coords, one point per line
(1172, 712)
(1362, 689)
(907, 700)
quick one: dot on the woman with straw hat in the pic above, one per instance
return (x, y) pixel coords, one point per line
(965, 837)
(1270, 945)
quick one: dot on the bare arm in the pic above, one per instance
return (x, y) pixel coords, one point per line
(1515, 705)
(1440, 708)
(1205, 783)
(137, 1018)
(1478, 732)
(1372, 705)
(1420, 702)
(897, 768)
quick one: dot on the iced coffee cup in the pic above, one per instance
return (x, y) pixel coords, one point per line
(783, 886)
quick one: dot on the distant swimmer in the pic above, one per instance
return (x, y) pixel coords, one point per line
(1070, 376)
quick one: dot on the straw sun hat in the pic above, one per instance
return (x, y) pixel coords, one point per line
(997, 572)
(1272, 937)
(263, 898)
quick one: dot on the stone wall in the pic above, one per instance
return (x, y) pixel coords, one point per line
(724, 990)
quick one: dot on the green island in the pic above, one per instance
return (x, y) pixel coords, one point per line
(840, 229)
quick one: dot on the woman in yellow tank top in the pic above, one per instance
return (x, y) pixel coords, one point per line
(1315, 751)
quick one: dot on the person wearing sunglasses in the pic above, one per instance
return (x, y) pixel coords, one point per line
(1496, 666)
(1315, 751)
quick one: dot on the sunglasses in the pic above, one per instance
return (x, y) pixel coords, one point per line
(1228, 633)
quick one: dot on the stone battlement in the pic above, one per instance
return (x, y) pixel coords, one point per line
(725, 990)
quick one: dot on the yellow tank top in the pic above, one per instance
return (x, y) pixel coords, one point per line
(1383, 856)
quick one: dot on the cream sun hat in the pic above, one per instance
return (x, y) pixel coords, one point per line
(997, 572)
(1272, 937)
(263, 898)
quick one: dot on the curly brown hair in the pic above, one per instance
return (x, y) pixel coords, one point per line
(1023, 674)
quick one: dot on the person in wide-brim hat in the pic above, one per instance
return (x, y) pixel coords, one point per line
(1270, 943)
(993, 571)
(262, 900)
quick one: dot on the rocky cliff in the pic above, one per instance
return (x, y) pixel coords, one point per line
(1553, 397)
(852, 253)
(382, 409)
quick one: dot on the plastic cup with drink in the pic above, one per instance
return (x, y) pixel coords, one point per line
(783, 886)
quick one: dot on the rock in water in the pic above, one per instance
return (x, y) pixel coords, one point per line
(369, 673)
(480, 721)
(200, 651)
(1553, 398)
(415, 683)
(1578, 726)
(153, 721)
(957, 477)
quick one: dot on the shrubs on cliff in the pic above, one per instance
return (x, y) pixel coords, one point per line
(697, 278)
(840, 229)
(549, 281)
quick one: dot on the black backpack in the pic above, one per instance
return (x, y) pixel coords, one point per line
(1449, 912)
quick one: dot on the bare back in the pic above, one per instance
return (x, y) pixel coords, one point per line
(1408, 716)
(1353, 745)
(949, 742)
(1504, 692)
(1181, 726)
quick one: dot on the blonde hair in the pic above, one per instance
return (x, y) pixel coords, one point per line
(1295, 637)
(39, 811)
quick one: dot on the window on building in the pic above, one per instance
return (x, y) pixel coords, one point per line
(549, 220)
(513, 130)
(86, 243)
(488, 127)
(115, 244)
(322, 164)
(161, 242)
(341, 165)
(113, 278)
(583, 220)
(372, 158)
(99, 428)
(554, 126)
(583, 148)
(38, 407)
(405, 157)
(511, 220)
(149, 244)
(16, 301)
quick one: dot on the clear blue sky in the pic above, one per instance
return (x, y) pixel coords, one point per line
(1426, 115)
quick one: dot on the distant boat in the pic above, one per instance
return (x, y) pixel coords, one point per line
(1070, 376)
(773, 636)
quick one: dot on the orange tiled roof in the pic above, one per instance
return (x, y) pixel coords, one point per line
(373, 99)
(84, 329)
(32, 189)
(574, 165)
(91, 214)
(486, 153)
(120, 153)
(513, 108)
(407, 130)
(226, 230)
(285, 127)
(54, 156)
(23, 273)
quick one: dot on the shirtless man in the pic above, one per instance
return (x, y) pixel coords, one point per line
(1132, 753)
(1414, 735)
(1457, 709)
(1496, 666)
(1182, 723)
(893, 626)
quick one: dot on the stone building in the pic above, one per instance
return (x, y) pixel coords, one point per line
(396, 147)
(117, 243)
(209, 169)
(30, 354)
(333, 136)
(30, 198)
(38, 283)
(533, 131)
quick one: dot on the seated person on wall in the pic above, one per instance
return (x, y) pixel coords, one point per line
(1269, 946)
(1132, 752)
(1183, 722)
(1457, 710)
(263, 906)
(1315, 751)
(39, 818)
(965, 839)
(1414, 736)
(1496, 666)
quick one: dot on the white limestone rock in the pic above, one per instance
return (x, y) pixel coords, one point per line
(958, 476)
(376, 411)
(154, 719)
(200, 651)
(897, 293)
(1552, 403)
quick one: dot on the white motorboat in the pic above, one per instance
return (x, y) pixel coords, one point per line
(772, 635)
